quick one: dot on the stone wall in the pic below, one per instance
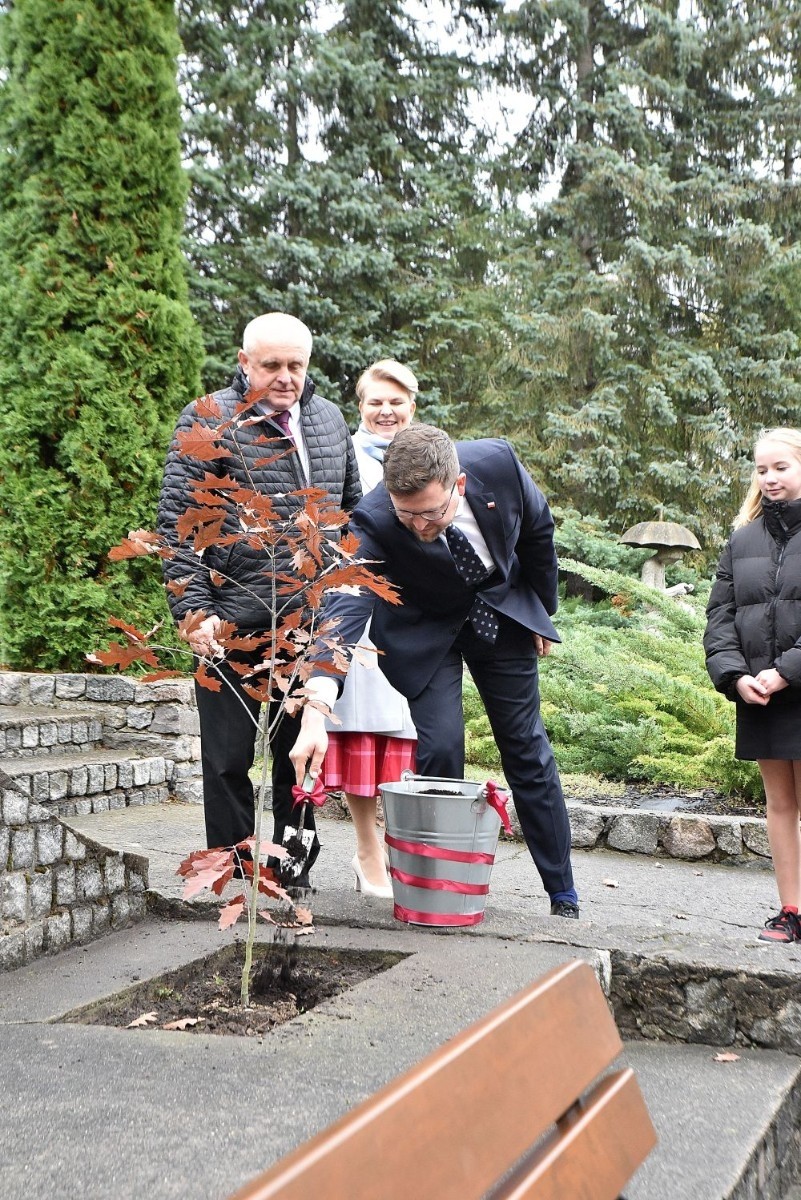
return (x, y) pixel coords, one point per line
(143, 719)
(77, 744)
(733, 840)
(58, 890)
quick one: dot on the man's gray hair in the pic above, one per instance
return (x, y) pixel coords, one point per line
(419, 455)
(276, 327)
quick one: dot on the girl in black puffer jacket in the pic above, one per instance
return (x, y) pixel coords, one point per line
(753, 652)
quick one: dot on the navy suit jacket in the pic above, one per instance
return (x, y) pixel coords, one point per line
(416, 634)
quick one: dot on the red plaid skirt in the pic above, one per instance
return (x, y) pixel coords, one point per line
(358, 762)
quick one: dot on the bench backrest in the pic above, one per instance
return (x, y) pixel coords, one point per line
(511, 1091)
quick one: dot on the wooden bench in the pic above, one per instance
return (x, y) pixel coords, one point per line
(509, 1107)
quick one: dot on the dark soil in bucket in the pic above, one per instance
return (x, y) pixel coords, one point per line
(439, 792)
(204, 995)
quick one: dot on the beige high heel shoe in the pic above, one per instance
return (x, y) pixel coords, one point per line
(363, 885)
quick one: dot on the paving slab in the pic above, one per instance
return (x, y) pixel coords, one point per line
(91, 1111)
(662, 905)
(711, 1118)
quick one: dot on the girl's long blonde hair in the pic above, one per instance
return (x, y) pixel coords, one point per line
(752, 505)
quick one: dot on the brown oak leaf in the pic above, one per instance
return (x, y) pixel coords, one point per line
(200, 442)
(148, 1018)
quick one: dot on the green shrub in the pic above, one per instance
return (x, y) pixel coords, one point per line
(590, 540)
(98, 350)
(626, 695)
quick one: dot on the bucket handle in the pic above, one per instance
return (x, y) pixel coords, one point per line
(408, 776)
(497, 798)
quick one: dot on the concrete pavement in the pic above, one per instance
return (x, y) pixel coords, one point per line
(90, 1111)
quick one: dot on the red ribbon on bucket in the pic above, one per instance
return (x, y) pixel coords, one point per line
(428, 918)
(424, 850)
(498, 799)
(440, 885)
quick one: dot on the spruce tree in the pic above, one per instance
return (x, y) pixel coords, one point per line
(334, 174)
(653, 320)
(98, 351)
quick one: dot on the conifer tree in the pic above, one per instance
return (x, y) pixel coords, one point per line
(347, 191)
(653, 320)
(98, 351)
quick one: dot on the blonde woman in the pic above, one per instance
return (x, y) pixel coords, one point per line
(753, 652)
(376, 740)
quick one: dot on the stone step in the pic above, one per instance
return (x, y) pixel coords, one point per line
(134, 717)
(29, 730)
(81, 783)
(674, 943)
(22, 687)
(679, 938)
(726, 1129)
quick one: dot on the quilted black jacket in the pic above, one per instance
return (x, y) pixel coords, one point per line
(754, 609)
(332, 466)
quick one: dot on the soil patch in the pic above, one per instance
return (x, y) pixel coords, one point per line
(203, 996)
(663, 798)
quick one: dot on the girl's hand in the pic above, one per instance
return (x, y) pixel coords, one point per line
(751, 690)
(771, 680)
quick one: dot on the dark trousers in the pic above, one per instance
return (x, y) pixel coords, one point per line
(228, 726)
(507, 679)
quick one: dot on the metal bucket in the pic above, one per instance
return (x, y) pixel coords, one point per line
(441, 849)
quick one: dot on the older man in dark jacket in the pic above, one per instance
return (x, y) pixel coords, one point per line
(233, 585)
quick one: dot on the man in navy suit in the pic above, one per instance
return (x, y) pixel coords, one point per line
(467, 538)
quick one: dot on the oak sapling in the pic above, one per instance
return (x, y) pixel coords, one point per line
(308, 533)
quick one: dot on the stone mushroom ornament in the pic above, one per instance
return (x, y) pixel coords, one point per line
(671, 542)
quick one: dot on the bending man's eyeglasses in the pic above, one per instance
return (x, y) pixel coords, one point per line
(429, 514)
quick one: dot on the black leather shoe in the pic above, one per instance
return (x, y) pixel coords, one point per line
(565, 908)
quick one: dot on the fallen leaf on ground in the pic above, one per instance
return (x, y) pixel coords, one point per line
(726, 1056)
(611, 883)
(182, 1023)
(145, 1019)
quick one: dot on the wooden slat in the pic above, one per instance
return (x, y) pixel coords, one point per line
(596, 1156)
(451, 1126)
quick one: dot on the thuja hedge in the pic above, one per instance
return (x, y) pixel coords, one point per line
(98, 351)
(626, 694)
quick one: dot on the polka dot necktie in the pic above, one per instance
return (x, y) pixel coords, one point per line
(472, 570)
(282, 420)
